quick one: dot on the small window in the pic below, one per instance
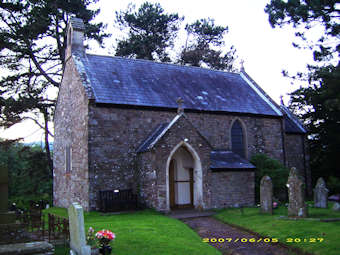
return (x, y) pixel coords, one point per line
(237, 139)
(68, 159)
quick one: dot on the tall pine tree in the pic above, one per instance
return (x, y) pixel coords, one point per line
(32, 45)
(151, 34)
(319, 103)
(204, 46)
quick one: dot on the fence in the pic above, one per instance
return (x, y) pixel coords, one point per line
(33, 226)
(58, 228)
(117, 200)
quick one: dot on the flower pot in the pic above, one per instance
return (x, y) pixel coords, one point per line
(105, 250)
(94, 251)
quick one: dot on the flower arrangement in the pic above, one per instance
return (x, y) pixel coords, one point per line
(101, 238)
(105, 237)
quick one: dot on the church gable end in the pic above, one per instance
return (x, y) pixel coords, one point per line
(70, 155)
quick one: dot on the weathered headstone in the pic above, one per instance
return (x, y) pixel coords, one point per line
(336, 206)
(266, 194)
(320, 194)
(77, 231)
(296, 193)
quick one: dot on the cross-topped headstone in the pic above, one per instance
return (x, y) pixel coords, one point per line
(77, 231)
(296, 194)
(180, 102)
(320, 194)
(266, 195)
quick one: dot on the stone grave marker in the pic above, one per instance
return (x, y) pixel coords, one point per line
(320, 194)
(296, 193)
(336, 206)
(266, 195)
(77, 231)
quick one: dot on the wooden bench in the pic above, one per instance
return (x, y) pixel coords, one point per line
(117, 200)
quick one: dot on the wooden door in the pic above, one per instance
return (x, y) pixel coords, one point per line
(172, 183)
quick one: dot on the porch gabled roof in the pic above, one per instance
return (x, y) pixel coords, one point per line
(160, 131)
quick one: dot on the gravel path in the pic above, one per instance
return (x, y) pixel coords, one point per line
(232, 241)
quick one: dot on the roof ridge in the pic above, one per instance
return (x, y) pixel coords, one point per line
(164, 63)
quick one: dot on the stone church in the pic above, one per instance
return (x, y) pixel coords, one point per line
(178, 136)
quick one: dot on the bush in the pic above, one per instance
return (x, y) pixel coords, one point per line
(333, 184)
(275, 170)
(29, 178)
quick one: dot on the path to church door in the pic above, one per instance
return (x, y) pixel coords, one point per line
(181, 186)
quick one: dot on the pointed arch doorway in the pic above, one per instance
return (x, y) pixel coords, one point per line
(181, 185)
(184, 178)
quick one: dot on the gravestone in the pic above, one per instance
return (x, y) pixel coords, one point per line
(320, 194)
(77, 231)
(336, 206)
(296, 193)
(266, 195)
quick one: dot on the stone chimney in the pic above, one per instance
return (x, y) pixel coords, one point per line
(75, 37)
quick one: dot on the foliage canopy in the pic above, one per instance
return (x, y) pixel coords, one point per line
(28, 173)
(152, 34)
(318, 104)
(32, 46)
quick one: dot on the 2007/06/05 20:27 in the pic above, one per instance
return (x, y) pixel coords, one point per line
(265, 240)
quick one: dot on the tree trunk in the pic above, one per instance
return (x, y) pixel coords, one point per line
(47, 145)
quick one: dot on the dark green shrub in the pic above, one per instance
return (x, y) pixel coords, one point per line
(275, 170)
(333, 184)
(28, 174)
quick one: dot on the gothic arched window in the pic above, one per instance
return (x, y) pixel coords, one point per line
(238, 139)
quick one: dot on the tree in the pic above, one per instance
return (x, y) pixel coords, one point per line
(32, 45)
(318, 105)
(152, 33)
(203, 46)
(306, 14)
(275, 170)
(29, 175)
(321, 101)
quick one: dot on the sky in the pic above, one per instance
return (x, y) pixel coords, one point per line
(264, 50)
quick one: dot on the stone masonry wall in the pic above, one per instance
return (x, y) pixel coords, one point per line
(298, 156)
(294, 151)
(71, 129)
(115, 133)
(233, 188)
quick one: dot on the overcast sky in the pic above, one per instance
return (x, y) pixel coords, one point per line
(265, 51)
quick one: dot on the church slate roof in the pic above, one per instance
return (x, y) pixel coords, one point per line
(122, 81)
(292, 123)
(227, 160)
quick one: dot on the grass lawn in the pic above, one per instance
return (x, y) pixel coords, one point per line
(145, 232)
(300, 233)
